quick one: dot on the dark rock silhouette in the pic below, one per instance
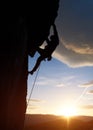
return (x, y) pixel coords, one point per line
(23, 28)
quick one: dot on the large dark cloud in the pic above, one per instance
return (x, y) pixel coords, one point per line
(75, 27)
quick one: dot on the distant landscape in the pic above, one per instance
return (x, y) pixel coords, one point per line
(52, 122)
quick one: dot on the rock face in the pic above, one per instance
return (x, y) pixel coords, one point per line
(23, 28)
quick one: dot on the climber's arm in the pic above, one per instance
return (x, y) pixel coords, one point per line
(55, 34)
(47, 40)
(55, 31)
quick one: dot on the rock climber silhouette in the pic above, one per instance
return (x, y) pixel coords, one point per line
(46, 53)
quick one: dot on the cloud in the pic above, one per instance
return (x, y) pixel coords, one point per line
(75, 26)
(36, 100)
(41, 83)
(69, 78)
(45, 81)
(33, 107)
(87, 106)
(90, 92)
(88, 84)
(87, 98)
(60, 85)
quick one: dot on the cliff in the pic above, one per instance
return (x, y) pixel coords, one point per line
(24, 27)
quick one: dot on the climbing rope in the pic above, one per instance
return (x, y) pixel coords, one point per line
(33, 86)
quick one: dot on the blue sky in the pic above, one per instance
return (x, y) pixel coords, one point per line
(68, 78)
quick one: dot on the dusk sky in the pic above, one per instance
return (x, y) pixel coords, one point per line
(67, 79)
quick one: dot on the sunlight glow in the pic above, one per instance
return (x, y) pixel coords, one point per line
(68, 111)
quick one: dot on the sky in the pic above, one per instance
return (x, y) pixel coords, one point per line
(68, 78)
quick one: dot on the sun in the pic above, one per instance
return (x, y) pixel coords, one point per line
(68, 111)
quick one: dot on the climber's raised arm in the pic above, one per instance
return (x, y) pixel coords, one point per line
(47, 40)
(55, 31)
